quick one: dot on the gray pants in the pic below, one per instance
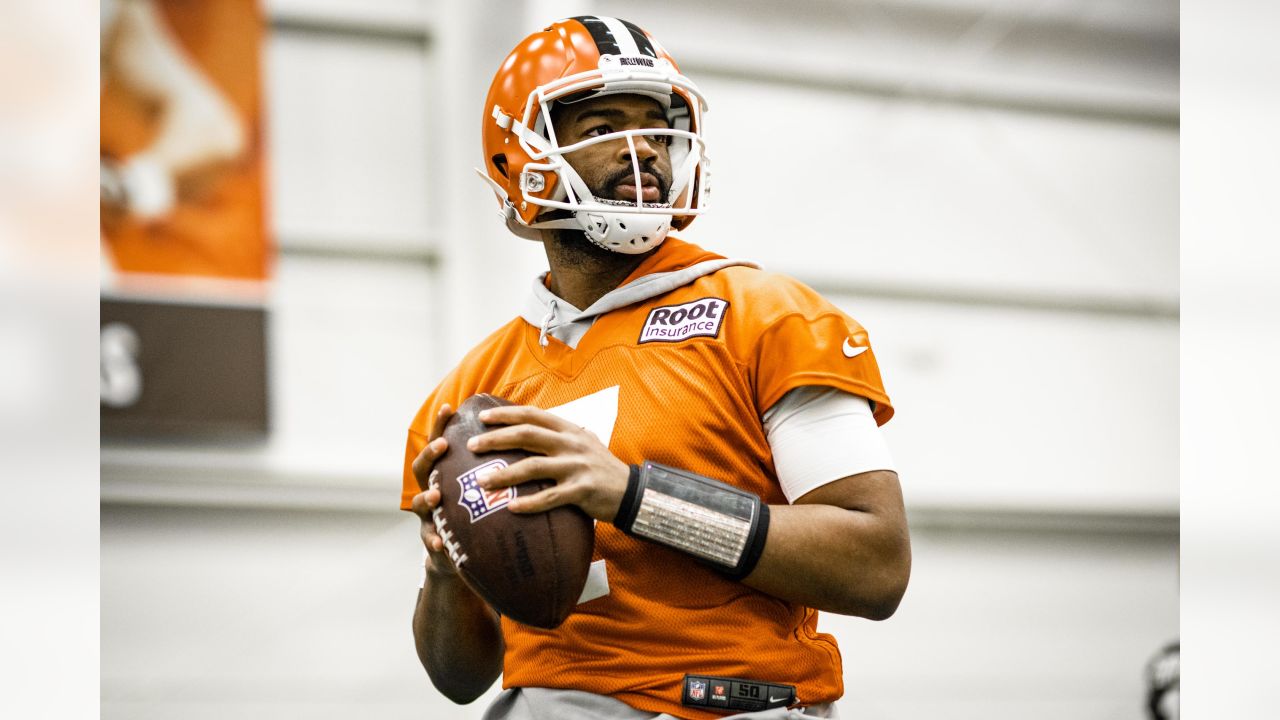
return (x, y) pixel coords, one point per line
(551, 704)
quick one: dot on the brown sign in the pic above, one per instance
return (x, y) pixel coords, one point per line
(183, 369)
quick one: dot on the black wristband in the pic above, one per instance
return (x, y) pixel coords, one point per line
(716, 523)
(755, 546)
(630, 502)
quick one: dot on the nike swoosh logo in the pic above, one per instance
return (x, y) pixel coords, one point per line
(851, 351)
(773, 699)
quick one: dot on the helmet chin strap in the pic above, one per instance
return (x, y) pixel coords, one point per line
(620, 232)
(624, 232)
(629, 233)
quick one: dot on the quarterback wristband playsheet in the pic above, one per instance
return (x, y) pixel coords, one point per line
(708, 519)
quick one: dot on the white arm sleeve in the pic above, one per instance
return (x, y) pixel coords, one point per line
(821, 434)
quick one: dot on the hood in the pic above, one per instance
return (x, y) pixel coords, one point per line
(674, 264)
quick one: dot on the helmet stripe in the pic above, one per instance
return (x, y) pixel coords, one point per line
(642, 40)
(600, 32)
(622, 35)
(617, 37)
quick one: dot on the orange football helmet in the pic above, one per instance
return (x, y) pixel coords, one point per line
(571, 60)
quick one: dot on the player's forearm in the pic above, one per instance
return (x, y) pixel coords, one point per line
(843, 561)
(458, 638)
(842, 547)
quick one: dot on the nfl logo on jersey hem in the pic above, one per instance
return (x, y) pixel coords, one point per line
(697, 689)
(478, 501)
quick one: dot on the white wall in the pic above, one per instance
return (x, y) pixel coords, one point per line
(990, 187)
(1023, 408)
(890, 191)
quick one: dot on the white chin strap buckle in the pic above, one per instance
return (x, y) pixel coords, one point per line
(624, 232)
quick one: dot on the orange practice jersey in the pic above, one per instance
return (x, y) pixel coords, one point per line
(695, 368)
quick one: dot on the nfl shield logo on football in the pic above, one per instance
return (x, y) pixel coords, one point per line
(478, 501)
(697, 689)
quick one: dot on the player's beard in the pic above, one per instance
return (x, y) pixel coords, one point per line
(573, 249)
(572, 246)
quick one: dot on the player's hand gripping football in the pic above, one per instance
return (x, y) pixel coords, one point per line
(586, 473)
(425, 502)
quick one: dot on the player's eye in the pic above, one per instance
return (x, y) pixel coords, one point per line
(658, 139)
(598, 130)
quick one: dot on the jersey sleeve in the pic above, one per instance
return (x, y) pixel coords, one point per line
(412, 447)
(480, 370)
(802, 339)
(420, 432)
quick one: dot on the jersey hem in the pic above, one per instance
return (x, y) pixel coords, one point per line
(648, 703)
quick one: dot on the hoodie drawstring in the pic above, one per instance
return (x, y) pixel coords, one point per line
(546, 324)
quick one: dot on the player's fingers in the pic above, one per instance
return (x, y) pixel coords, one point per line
(531, 468)
(442, 419)
(427, 459)
(436, 552)
(518, 414)
(434, 544)
(419, 505)
(430, 537)
(541, 501)
(533, 438)
(424, 502)
(428, 531)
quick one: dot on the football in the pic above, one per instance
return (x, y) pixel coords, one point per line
(531, 568)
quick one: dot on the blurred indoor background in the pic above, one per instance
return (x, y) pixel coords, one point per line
(989, 186)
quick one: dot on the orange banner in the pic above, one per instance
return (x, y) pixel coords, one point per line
(182, 186)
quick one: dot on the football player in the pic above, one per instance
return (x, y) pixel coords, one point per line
(719, 422)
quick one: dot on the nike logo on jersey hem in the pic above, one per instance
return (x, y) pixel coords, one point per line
(850, 351)
(773, 699)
